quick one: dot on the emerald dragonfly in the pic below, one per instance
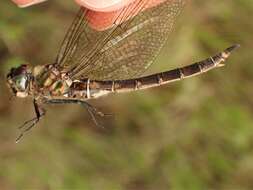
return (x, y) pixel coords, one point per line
(92, 63)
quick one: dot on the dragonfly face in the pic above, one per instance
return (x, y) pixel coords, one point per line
(18, 80)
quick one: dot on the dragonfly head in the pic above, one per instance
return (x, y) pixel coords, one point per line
(18, 79)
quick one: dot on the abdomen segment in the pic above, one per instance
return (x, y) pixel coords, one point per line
(93, 89)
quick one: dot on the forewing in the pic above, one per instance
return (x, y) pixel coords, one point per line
(124, 51)
(82, 42)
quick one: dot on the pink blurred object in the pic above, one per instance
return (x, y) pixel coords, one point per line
(103, 13)
(27, 3)
(103, 5)
(95, 5)
(102, 20)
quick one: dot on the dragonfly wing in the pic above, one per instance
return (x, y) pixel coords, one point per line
(82, 42)
(124, 51)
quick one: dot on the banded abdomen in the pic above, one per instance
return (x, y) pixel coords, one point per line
(92, 89)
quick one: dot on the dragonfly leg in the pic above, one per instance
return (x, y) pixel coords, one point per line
(91, 109)
(94, 112)
(28, 125)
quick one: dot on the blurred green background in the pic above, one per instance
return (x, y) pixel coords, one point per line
(193, 134)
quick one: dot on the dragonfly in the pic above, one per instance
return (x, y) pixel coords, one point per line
(92, 63)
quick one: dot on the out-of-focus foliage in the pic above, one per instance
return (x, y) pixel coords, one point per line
(194, 134)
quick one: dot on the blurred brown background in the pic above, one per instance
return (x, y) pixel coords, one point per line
(193, 134)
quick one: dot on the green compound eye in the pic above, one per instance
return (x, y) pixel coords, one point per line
(21, 82)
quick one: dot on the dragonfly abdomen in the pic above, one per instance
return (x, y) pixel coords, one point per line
(87, 88)
(99, 88)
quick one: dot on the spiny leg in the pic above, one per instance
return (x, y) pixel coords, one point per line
(91, 109)
(28, 125)
(94, 112)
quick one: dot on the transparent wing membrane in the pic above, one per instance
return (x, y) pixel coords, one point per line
(123, 51)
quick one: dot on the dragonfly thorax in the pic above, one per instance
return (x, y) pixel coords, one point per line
(42, 80)
(48, 81)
